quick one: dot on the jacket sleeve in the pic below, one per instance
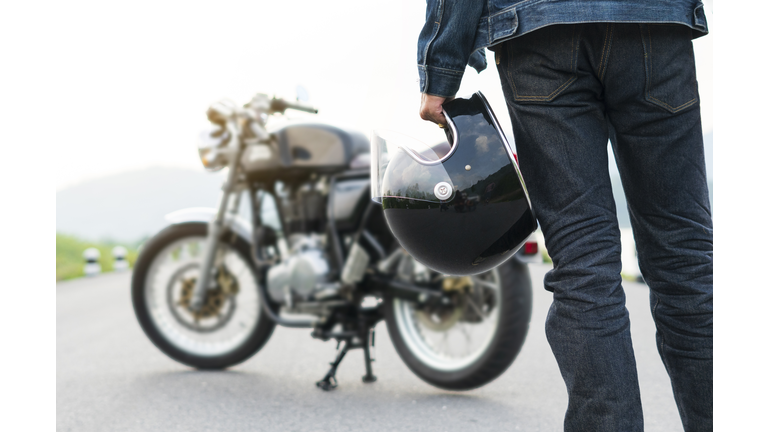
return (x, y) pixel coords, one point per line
(446, 45)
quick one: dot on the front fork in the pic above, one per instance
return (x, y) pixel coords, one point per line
(212, 259)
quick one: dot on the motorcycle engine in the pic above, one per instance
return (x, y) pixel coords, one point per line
(303, 272)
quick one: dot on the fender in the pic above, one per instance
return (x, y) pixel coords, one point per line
(530, 258)
(236, 223)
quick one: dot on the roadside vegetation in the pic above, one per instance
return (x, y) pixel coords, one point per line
(69, 255)
(544, 255)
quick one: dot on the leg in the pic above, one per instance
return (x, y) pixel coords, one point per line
(657, 140)
(555, 101)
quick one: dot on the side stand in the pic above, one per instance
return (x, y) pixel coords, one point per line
(329, 382)
(366, 342)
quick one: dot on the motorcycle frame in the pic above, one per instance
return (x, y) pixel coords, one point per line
(243, 125)
(229, 201)
(361, 259)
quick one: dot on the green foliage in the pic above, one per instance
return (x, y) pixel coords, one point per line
(544, 255)
(69, 255)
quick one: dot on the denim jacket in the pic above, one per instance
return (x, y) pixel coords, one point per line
(457, 31)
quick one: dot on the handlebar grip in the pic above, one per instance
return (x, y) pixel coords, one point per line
(281, 105)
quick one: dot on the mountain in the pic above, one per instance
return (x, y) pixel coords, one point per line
(132, 205)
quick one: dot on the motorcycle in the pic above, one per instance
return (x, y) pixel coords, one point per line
(209, 289)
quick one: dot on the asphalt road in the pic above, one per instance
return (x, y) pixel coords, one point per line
(111, 378)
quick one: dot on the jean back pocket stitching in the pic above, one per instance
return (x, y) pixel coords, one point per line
(557, 91)
(648, 54)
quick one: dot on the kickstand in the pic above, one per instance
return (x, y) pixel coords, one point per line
(329, 382)
(369, 343)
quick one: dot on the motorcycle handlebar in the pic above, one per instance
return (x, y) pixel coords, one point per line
(281, 105)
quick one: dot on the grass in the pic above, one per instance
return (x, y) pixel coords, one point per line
(69, 255)
(544, 255)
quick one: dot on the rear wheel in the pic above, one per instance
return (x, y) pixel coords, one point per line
(471, 340)
(230, 326)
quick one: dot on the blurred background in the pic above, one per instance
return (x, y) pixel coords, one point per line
(130, 84)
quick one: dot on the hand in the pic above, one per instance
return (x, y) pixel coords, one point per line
(432, 108)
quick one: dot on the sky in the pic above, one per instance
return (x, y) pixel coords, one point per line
(129, 82)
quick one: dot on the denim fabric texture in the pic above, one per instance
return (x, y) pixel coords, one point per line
(456, 32)
(569, 88)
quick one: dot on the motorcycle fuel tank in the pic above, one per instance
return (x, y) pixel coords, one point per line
(300, 149)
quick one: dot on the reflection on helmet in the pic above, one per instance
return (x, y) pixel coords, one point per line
(488, 215)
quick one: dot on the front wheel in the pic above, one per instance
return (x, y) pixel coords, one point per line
(471, 340)
(229, 327)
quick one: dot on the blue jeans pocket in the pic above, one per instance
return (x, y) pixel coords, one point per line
(542, 64)
(670, 72)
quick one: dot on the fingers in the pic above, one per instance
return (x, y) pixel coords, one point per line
(432, 108)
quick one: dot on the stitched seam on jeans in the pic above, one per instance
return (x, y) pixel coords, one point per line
(550, 96)
(602, 55)
(606, 51)
(645, 58)
(557, 91)
(506, 9)
(448, 71)
(671, 108)
(649, 81)
(426, 48)
(650, 63)
(488, 6)
(661, 344)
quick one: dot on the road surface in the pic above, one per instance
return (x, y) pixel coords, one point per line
(111, 378)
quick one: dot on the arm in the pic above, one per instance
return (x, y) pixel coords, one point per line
(445, 48)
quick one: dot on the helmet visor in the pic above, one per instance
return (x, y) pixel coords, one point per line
(403, 167)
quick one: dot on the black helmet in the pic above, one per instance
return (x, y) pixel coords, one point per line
(459, 208)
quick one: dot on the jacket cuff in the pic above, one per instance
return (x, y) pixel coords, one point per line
(439, 82)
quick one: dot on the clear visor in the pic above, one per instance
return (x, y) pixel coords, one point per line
(403, 167)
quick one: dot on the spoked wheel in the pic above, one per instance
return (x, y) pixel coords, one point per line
(228, 328)
(470, 340)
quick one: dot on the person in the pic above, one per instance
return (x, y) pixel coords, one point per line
(576, 73)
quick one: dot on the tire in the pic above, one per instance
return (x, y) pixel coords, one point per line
(157, 277)
(494, 355)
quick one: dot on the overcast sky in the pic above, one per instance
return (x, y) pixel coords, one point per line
(129, 82)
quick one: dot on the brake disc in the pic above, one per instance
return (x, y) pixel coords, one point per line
(212, 305)
(219, 302)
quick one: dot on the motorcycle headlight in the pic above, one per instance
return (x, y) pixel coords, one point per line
(211, 146)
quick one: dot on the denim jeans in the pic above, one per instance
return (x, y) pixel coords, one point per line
(569, 88)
